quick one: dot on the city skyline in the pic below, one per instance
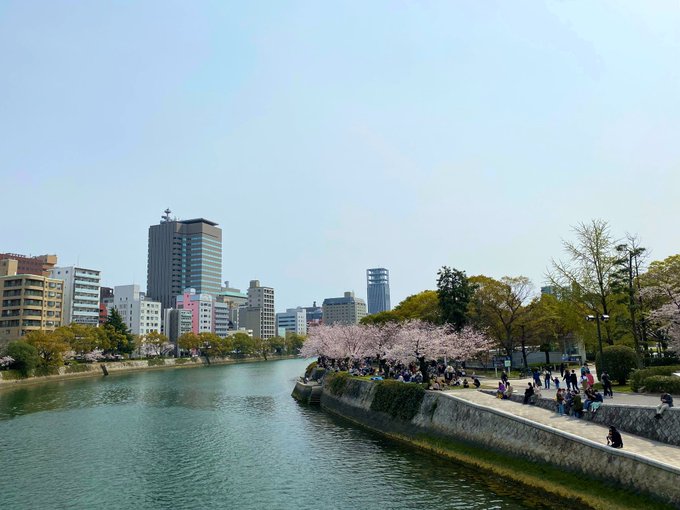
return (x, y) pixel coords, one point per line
(463, 135)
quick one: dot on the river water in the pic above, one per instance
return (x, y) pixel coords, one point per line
(215, 437)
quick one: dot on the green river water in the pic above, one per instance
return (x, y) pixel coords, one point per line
(215, 437)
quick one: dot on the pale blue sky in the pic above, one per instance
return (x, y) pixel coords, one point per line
(329, 137)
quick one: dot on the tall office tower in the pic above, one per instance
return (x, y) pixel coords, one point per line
(29, 302)
(378, 282)
(81, 294)
(183, 254)
(40, 265)
(259, 313)
(343, 310)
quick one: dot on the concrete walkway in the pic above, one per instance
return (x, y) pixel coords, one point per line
(652, 450)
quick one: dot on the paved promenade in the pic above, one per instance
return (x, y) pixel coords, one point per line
(653, 450)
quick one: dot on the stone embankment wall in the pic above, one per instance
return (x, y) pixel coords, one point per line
(636, 420)
(450, 417)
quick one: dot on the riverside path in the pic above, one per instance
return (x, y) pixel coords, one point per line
(646, 449)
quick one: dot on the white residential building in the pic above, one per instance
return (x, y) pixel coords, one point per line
(259, 314)
(293, 320)
(81, 294)
(176, 323)
(201, 306)
(140, 314)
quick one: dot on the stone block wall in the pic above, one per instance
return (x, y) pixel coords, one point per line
(636, 420)
(447, 416)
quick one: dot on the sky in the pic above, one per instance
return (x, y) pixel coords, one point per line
(326, 138)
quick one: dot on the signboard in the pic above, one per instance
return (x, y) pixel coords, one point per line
(508, 363)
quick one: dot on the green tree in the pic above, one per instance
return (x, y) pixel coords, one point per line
(627, 283)
(380, 318)
(243, 344)
(294, 343)
(620, 361)
(26, 357)
(80, 338)
(277, 344)
(499, 307)
(262, 347)
(189, 341)
(423, 306)
(588, 275)
(155, 341)
(454, 291)
(125, 340)
(50, 347)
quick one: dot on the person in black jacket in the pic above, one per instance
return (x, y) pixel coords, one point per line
(574, 380)
(607, 384)
(666, 402)
(614, 438)
(528, 393)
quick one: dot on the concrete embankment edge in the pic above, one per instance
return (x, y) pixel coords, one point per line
(449, 418)
(95, 370)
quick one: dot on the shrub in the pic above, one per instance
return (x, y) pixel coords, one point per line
(309, 368)
(336, 383)
(399, 400)
(26, 357)
(638, 377)
(46, 370)
(156, 362)
(663, 384)
(12, 375)
(619, 361)
(76, 368)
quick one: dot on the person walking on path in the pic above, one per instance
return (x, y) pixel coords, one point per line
(547, 378)
(574, 380)
(666, 402)
(562, 367)
(537, 377)
(566, 377)
(614, 438)
(607, 385)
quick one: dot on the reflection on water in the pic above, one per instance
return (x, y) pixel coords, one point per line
(214, 437)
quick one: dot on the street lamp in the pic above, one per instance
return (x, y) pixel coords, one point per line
(597, 318)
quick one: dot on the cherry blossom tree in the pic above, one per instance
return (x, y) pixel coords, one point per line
(6, 361)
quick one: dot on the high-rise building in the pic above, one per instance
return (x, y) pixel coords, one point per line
(343, 310)
(234, 299)
(140, 314)
(40, 265)
(378, 286)
(81, 294)
(293, 320)
(259, 313)
(29, 302)
(183, 254)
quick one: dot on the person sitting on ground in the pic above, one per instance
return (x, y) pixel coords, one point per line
(589, 396)
(435, 385)
(577, 406)
(614, 438)
(418, 378)
(465, 383)
(666, 402)
(501, 390)
(508, 391)
(528, 393)
(568, 401)
(559, 399)
(476, 382)
(597, 402)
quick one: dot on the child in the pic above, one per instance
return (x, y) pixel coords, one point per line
(556, 380)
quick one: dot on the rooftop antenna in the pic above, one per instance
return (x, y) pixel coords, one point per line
(166, 217)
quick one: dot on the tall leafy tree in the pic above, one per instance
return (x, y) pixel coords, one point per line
(454, 292)
(631, 259)
(588, 273)
(121, 339)
(499, 307)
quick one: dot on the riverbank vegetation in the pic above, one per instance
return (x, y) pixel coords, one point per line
(42, 353)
